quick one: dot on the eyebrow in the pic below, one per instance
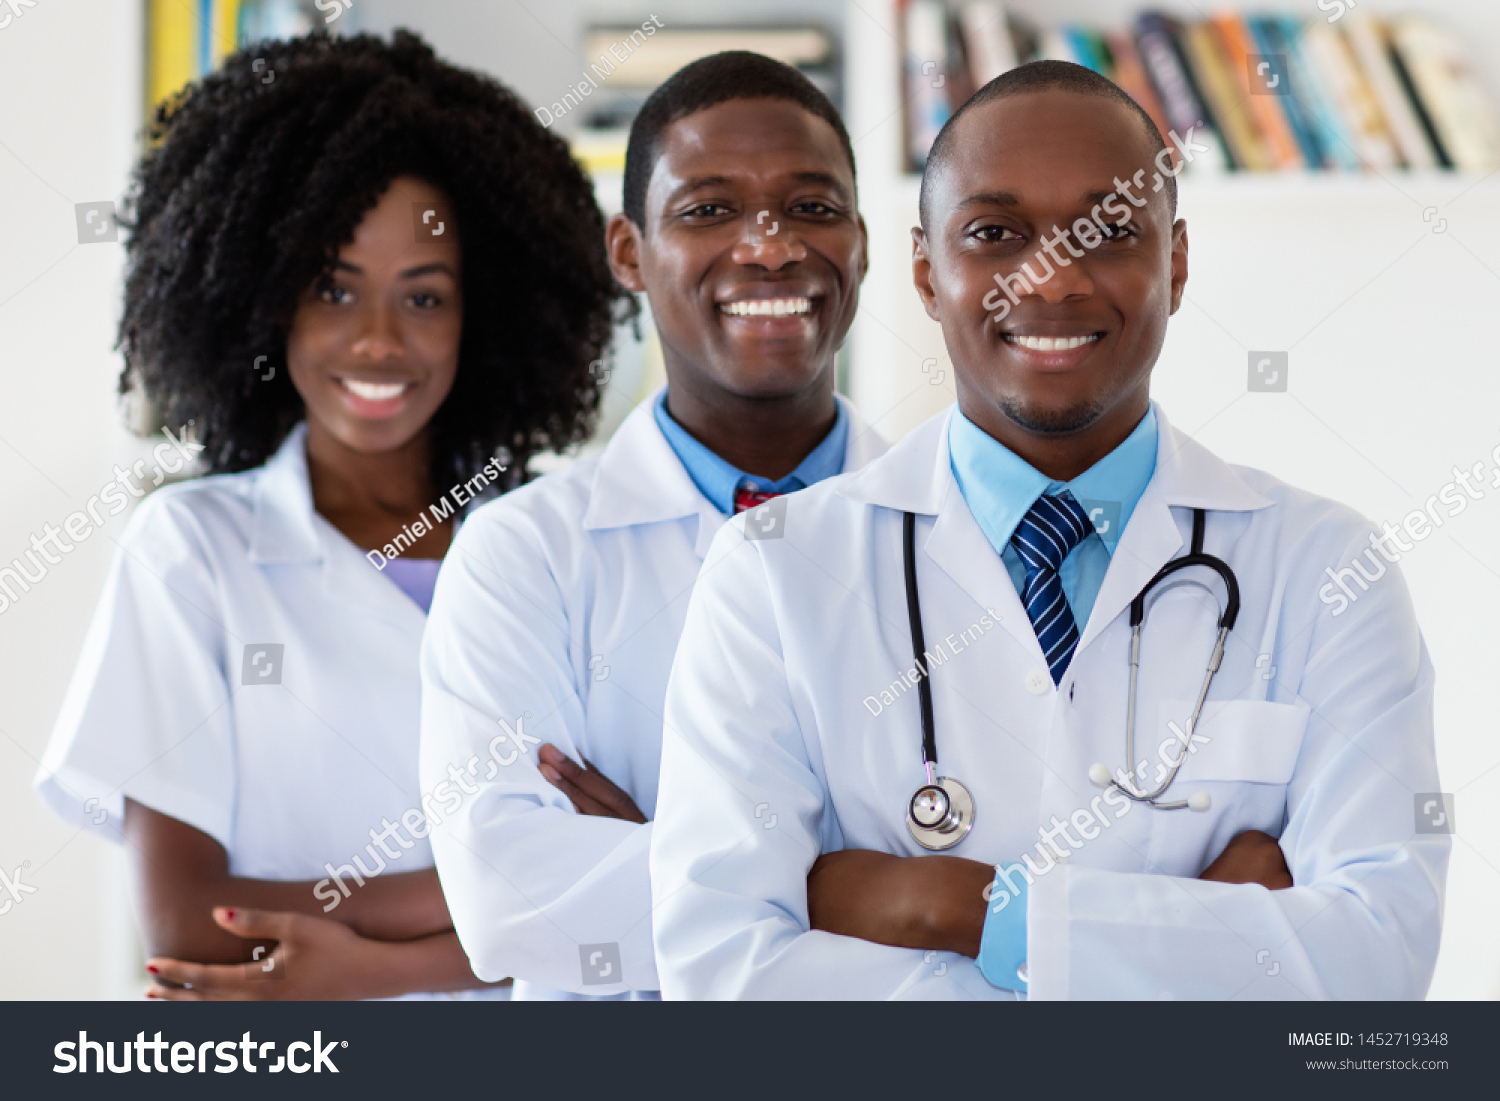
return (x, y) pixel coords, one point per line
(1010, 198)
(990, 198)
(826, 179)
(433, 268)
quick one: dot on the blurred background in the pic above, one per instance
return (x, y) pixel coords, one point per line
(1353, 225)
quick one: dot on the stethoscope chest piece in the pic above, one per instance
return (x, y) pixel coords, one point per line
(940, 814)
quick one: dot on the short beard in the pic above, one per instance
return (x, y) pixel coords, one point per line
(1063, 422)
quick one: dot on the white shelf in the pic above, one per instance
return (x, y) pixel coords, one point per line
(1300, 184)
(1294, 190)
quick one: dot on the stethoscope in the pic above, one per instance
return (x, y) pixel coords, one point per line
(941, 811)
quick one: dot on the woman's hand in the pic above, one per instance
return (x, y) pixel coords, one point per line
(314, 960)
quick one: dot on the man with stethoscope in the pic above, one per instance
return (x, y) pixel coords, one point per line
(953, 737)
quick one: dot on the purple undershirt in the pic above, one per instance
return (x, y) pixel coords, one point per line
(416, 577)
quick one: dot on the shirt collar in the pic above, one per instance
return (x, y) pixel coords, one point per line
(1000, 487)
(718, 479)
(283, 528)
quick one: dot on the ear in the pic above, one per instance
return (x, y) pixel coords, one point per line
(622, 243)
(1179, 262)
(921, 272)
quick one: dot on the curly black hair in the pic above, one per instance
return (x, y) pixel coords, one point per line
(255, 177)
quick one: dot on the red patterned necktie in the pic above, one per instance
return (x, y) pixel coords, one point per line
(747, 496)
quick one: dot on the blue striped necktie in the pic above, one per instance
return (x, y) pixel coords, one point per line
(1049, 530)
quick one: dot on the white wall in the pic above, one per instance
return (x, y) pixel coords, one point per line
(70, 77)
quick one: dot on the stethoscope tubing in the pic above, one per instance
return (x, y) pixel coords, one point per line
(1196, 557)
(919, 646)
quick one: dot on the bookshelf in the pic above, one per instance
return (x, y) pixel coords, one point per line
(893, 337)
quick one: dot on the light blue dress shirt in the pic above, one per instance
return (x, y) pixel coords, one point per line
(999, 487)
(718, 480)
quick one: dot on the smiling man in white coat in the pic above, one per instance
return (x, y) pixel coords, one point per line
(815, 837)
(558, 610)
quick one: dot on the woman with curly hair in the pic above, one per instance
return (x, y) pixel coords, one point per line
(372, 287)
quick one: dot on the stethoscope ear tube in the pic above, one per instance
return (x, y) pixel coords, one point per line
(1196, 557)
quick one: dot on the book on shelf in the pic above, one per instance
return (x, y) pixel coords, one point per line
(1328, 53)
(1209, 59)
(619, 65)
(1462, 118)
(1263, 88)
(1367, 38)
(188, 39)
(925, 74)
(988, 43)
(1266, 92)
(1157, 39)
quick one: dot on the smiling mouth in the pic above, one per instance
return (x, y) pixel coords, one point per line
(375, 391)
(1051, 343)
(767, 307)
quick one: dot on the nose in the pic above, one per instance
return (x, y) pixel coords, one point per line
(378, 337)
(771, 253)
(768, 238)
(1067, 279)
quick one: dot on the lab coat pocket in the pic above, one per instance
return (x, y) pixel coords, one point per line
(1245, 741)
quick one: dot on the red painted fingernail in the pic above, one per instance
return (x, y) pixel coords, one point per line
(153, 970)
(229, 915)
(150, 995)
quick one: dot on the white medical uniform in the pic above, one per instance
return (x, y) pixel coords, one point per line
(1318, 731)
(557, 612)
(290, 770)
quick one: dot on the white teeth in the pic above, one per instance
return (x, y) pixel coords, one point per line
(375, 391)
(1051, 344)
(767, 307)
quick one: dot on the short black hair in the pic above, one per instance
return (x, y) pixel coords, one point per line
(707, 82)
(1042, 76)
(257, 174)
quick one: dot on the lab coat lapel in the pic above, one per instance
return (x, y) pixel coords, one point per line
(286, 531)
(1148, 543)
(916, 475)
(640, 480)
(350, 578)
(960, 548)
(1187, 476)
(282, 527)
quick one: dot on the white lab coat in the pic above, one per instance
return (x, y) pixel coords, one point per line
(289, 776)
(558, 611)
(1318, 731)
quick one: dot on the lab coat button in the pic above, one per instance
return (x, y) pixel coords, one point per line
(1037, 682)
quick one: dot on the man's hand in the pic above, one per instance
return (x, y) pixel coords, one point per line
(1252, 857)
(589, 789)
(928, 902)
